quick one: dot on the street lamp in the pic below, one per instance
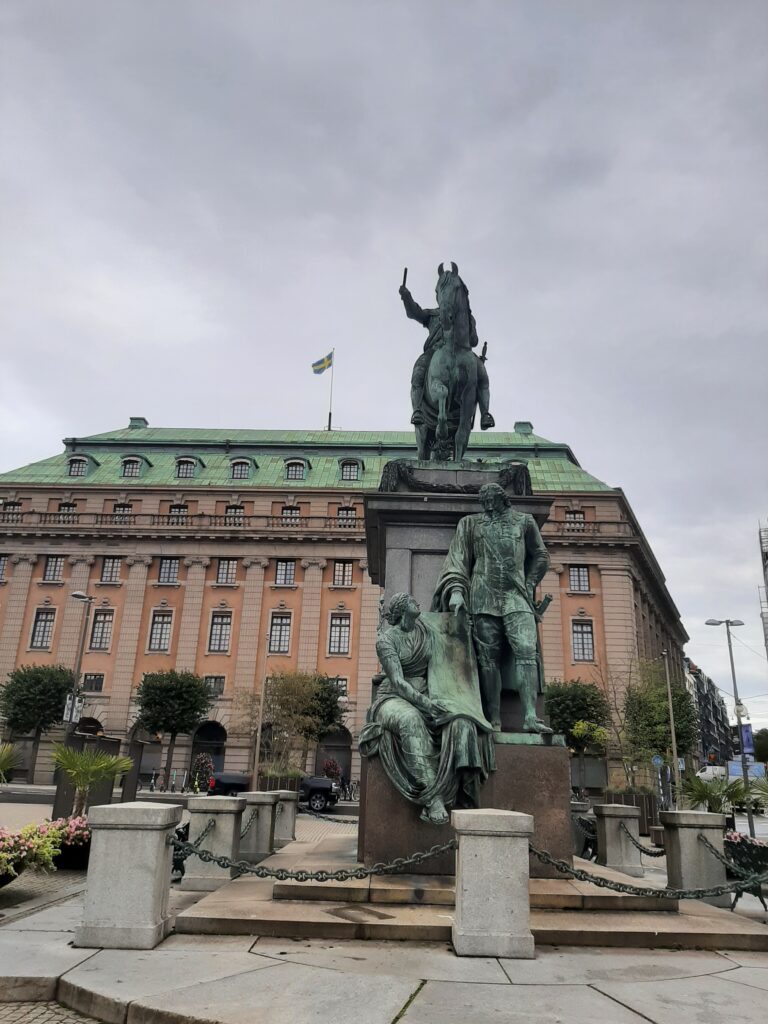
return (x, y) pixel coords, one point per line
(78, 595)
(675, 762)
(728, 623)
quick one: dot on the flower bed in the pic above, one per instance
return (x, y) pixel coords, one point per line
(33, 846)
(75, 843)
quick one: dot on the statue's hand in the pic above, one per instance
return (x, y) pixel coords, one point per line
(404, 293)
(456, 602)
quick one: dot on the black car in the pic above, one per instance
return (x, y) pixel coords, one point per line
(319, 792)
(229, 783)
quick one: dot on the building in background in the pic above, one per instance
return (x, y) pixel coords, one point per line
(241, 553)
(715, 743)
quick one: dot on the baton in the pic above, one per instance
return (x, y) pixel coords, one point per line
(483, 357)
(405, 275)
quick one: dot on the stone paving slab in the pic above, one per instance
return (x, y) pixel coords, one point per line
(509, 1004)
(706, 1000)
(31, 963)
(745, 958)
(579, 966)
(755, 977)
(283, 994)
(39, 1013)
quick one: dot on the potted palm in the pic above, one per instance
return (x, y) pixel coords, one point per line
(10, 758)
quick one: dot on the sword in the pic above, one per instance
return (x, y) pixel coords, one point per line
(483, 355)
(405, 276)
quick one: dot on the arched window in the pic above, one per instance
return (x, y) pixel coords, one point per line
(185, 468)
(350, 470)
(131, 467)
(210, 738)
(78, 466)
(240, 469)
(295, 470)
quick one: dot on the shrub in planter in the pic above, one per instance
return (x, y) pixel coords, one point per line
(34, 846)
(75, 839)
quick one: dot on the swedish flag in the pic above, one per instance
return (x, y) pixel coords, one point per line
(322, 364)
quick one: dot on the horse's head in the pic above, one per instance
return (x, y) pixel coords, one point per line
(453, 300)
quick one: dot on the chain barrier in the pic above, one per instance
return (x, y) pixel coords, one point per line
(648, 851)
(251, 819)
(635, 890)
(283, 874)
(588, 830)
(330, 817)
(729, 865)
(204, 834)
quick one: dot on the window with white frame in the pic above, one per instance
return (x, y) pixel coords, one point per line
(93, 682)
(234, 515)
(42, 630)
(177, 515)
(342, 573)
(578, 578)
(350, 470)
(77, 467)
(185, 469)
(338, 637)
(221, 631)
(280, 633)
(168, 571)
(342, 685)
(67, 512)
(285, 572)
(3, 563)
(583, 641)
(226, 571)
(347, 516)
(295, 471)
(574, 520)
(160, 631)
(123, 513)
(215, 685)
(290, 514)
(110, 569)
(10, 512)
(101, 631)
(241, 469)
(54, 566)
(131, 467)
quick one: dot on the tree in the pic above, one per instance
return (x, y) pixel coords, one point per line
(300, 706)
(647, 714)
(761, 745)
(568, 703)
(33, 699)
(172, 702)
(85, 767)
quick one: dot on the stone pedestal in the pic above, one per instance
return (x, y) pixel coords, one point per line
(492, 916)
(533, 780)
(614, 848)
(285, 816)
(223, 840)
(129, 871)
(690, 865)
(259, 841)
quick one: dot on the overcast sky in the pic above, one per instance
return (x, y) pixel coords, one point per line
(199, 199)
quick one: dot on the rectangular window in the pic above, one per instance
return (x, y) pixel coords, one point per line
(578, 578)
(279, 633)
(221, 630)
(234, 515)
(101, 633)
(290, 514)
(110, 569)
(285, 573)
(160, 631)
(342, 685)
(169, 570)
(226, 571)
(583, 641)
(347, 516)
(215, 685)
(338, 640)
(42, 631)
(342, 574)
(67, 512)
(54, 566)
(131, 467)
(350, 471)
(185, 469)
(294, 471)
(177, 515)
(77, 467)
(123, 514)
(3, 563)
(10, 512)
(241, 470)
(574, 521)
(93, 682)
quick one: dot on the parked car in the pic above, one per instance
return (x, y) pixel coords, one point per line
(229, 783)
(319, 792)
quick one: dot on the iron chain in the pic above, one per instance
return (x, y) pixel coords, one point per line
(208, 828)
(330, 817)
(251, 819)
(648, 851)
(283, 875)
(589, 830)
(729, 864)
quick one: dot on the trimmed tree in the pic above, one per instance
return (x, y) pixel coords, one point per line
(647, 715)
(172, 702)
(568, 704)
(33, 699)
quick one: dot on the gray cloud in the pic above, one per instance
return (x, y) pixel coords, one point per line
(195, 195)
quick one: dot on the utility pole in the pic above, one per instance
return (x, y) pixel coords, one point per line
(744, 768)
(78, 595)
(675, 761)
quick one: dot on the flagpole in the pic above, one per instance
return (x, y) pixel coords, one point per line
(330, 401)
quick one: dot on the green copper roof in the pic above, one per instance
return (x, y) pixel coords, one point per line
(553, 467)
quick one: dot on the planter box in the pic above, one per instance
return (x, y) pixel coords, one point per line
(73, 858)
(6, 879)
(277, 782)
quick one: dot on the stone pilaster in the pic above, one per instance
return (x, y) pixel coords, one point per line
(552, 625)
(73, 612)
(309, 635)
(128, 643)
(189, 631)
(15, 597)
(367, 660)
(618, 621)
(248, 644)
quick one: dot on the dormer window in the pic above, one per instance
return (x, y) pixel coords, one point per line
(131, 467)
(350, 470)
(185, 468)
(78, 467)
(240, 469)
(295, 470)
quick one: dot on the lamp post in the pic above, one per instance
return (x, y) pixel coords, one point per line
(728, 623)
(675, 761)
(78, 595)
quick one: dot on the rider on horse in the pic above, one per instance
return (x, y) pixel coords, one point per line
(431, 319)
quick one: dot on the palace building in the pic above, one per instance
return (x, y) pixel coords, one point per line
(239, 554)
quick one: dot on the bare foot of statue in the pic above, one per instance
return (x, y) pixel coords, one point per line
(418, 418)
(487, 421)
(435, 813)
(536, 725)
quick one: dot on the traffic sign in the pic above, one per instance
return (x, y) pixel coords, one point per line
(75, 715)
(657, 760)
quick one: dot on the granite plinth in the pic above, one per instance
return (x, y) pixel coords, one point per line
(532, 779)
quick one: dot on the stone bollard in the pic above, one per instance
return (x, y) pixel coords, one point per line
(129, 875)
(614, 849)
(579, 809)
(690, 865)
(223, 840)
(492, 915)
(259, 841)
(285, 816)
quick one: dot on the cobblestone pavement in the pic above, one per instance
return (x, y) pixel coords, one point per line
(39, 1013)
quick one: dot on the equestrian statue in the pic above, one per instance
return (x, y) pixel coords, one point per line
(449, 380)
